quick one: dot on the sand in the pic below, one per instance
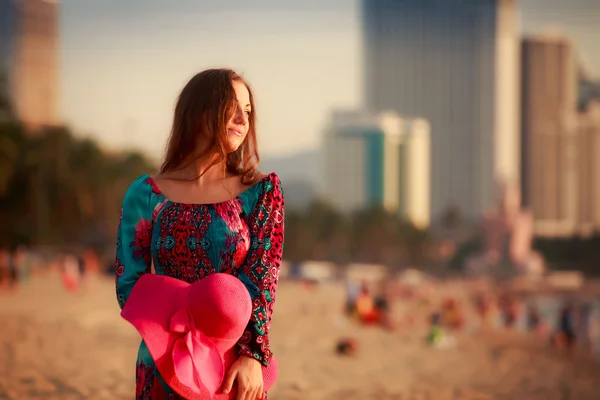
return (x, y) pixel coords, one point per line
(56, 345)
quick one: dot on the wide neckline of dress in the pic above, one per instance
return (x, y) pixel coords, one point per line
(157, 188)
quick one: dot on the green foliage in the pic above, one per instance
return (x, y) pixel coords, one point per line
(56, 188)
(372, 235)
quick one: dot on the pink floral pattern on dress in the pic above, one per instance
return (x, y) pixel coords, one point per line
(119, 269)
(153, 185)
(141, 240)
(144, 381)
(231, 213)
(158, 209)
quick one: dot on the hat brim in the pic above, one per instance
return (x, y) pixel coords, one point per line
(154, 299)
(150, 306)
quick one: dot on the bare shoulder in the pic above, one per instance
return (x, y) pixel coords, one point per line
(271, 177)
(254, 177)
(259, 176)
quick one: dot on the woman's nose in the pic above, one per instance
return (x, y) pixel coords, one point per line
(241, 118)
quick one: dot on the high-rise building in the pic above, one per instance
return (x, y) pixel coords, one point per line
(589, 168)
(378, 160)
(454, 63)
(415, 173)
(29, 59)
(549, 130)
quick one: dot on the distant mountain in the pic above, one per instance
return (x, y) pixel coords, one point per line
(299, 175)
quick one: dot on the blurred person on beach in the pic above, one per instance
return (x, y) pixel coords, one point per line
(381, 303)
(82, 269)
(81, 265)
(483, 304)
(453, 316)
(24, 260)
(208, 211)
(352, 292)
(535, 321)
(366, 307)
(70, 272)
(565, 335)
(12, 268)
(366, 311)
(89, 266)
(346, 347)
(534, 317)
(509, 308)
(436, 333)
(584, 326)
(91, 261)
(4, 255)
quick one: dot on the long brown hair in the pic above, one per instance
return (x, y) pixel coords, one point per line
(204, 107)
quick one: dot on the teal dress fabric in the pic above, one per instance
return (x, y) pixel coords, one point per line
(242, 236)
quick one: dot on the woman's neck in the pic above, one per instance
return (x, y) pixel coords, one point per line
(206, 173)
(201, 171)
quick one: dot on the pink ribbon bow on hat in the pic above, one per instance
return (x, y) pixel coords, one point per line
(195, 357)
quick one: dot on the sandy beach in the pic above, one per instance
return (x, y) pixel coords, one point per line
(57, 345)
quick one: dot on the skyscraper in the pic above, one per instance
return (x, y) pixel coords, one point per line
(415, 175)
(454, 63)
(29, 59)
(550, 134)
(588, 163)
(380, 160)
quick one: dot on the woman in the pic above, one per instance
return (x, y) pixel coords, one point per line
(208, 211)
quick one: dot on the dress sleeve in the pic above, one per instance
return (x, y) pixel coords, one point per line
(134, 235)
(260, 270)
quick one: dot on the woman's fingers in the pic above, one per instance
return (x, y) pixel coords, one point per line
(229, 380)
(242, 388)
(260, 393)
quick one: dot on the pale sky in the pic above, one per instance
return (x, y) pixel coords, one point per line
(124, 62)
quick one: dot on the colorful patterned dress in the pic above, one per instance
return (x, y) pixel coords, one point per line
(242, 236)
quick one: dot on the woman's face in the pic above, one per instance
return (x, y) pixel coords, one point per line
(238, 125)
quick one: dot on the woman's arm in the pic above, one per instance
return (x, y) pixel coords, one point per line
(134, 236)
(260, 271)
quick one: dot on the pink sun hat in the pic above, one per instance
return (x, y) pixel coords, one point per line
(191, 330)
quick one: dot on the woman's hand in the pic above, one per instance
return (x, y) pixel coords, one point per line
(248, 373)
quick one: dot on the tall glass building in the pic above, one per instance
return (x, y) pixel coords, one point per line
(454, 63)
